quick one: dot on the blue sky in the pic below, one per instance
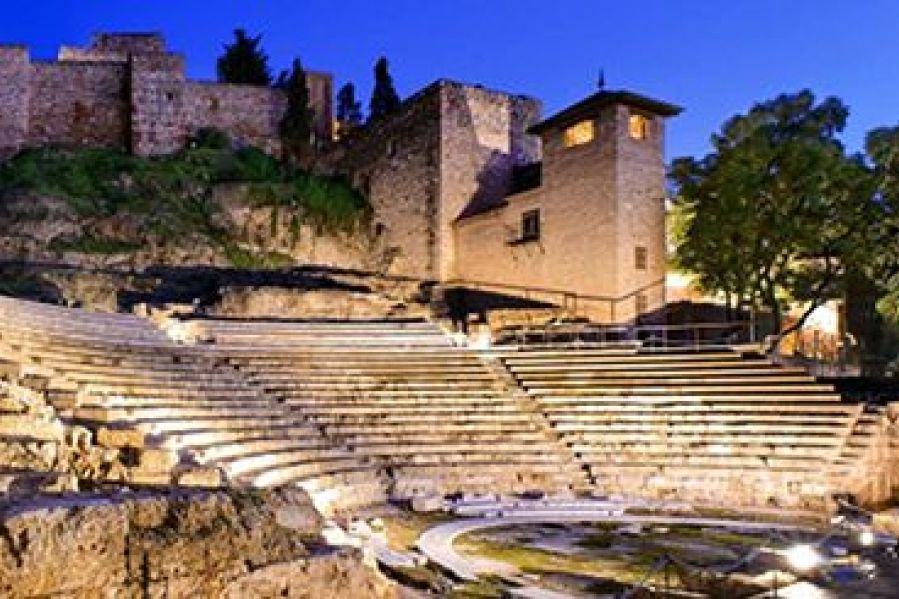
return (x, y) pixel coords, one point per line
(713, 57)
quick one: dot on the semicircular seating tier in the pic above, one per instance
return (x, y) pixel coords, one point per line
(713, 427)
(433, 415)
(179, 405)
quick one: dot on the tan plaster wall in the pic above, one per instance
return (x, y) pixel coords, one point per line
(597, 202)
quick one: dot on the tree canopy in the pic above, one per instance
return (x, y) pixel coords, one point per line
(384, 98)
(882, 147)
(243, 61)
(349, 110)
(777, 212)
(296, 125)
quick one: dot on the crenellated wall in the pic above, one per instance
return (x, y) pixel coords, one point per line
(251, 114)
(449, 146)
(78, 104)
(15, 75)
(128, 91)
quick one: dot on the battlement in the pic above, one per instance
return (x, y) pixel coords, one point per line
(129, 91)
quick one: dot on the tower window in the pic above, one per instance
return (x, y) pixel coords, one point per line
(642, 303)
(638, 126)
(579, 134)
(391, 148)
(530, 225)
(641, 258)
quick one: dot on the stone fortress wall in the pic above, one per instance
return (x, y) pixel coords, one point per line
(444, 178)
(450, 145)
(127, 91)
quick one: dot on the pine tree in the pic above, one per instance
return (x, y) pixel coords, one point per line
(296, 125)
(384, 98)
(349, 111)
(243, 61)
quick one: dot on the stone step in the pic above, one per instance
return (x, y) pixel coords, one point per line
(401, 418)
(336, 474)
(364, 384)
(319, 461)
(297, 395)
(421, 426)
(694, 387)
(607, 459)
(775, 430)
(379, 411)
(599, 356)
(169, 426)
(588, 384)
(694, 401)
(264, 443)
(470, 376)
(628, 449)
(667, 375)
(735, 364)
(203, 439)
(147, 413)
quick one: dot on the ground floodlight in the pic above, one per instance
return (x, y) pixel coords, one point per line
(803, 557)
(866, 538)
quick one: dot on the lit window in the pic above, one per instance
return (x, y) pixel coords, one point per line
(638, 126)
(530, 225)
(579, 134)
(641, 258)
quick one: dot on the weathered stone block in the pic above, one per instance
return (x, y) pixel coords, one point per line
(121, 437)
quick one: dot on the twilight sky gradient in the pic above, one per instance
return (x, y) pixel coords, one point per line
(713, 57)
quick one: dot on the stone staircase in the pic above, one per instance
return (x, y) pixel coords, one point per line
(188, 416)
(710, 427)
(400, 393)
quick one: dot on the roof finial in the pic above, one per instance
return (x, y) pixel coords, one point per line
(601, 80)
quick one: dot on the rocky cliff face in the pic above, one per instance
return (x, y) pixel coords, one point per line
(221, 544)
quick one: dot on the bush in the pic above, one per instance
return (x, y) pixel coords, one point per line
(210, 139)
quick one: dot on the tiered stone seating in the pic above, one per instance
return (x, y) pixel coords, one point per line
(119, 373)
(712, 427)
(400, 393)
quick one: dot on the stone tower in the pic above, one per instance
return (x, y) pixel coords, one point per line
(595, 225)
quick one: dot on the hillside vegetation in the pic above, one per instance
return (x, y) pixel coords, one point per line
(105, 206)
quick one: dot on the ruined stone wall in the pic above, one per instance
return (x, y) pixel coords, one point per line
(396, 162)
(483, 136)
(78, 104)
(157, 104)
(249, 113)
(128, 91)
(247, 544)
(14, 93)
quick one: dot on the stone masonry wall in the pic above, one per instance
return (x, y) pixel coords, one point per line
(250, 114)
(127, 91)
(597, 202)
(640, 183)
(483, 136)
(78, 104)
(157, 104)
(395, 162)
(14, 94)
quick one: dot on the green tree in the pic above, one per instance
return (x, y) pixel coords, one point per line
(882, 146)
(349, 110)
(296, 125)
(243, 61)
(384, 98)
(777, 212)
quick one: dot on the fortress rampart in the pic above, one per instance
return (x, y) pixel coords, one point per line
(128, 91)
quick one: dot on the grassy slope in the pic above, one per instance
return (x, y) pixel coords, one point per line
(171, 196)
